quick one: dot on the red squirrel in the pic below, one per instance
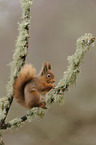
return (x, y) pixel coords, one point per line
(28, 89)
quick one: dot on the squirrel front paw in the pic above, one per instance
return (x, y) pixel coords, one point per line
(42, 105)
(53, 85)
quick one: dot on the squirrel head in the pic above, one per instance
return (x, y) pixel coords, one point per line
(47, 73)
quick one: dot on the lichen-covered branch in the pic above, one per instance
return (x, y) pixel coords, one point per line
(18, 58)
(70, 76)
(21, 45)
(57, 94)
(18, 122)
(69, 79)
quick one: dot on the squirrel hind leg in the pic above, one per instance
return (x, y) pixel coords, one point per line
(33, 100)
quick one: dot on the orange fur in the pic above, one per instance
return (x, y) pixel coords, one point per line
(28, 89)
(26, 74)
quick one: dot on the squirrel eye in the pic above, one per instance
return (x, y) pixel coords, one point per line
(48, 75)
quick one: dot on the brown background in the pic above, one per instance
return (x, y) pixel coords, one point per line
(55, 27)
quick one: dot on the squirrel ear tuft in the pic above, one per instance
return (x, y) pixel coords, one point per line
(44, 69)
(46, 66)
(49, 66)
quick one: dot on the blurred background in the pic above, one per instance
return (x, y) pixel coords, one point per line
(55, 27)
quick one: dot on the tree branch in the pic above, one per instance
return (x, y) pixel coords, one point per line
(70, 76)
(69, 79)
(18, 58)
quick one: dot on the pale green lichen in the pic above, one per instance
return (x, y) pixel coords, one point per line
(70, 76)
(35, 112)
(18, 56)
(3, 105)
(15, 123)
(21, 44)
(31, 115)
(82, 46)
(57, 94)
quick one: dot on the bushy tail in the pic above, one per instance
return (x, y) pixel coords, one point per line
(26, 74)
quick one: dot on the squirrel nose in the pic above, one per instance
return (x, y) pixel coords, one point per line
(53, 80)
